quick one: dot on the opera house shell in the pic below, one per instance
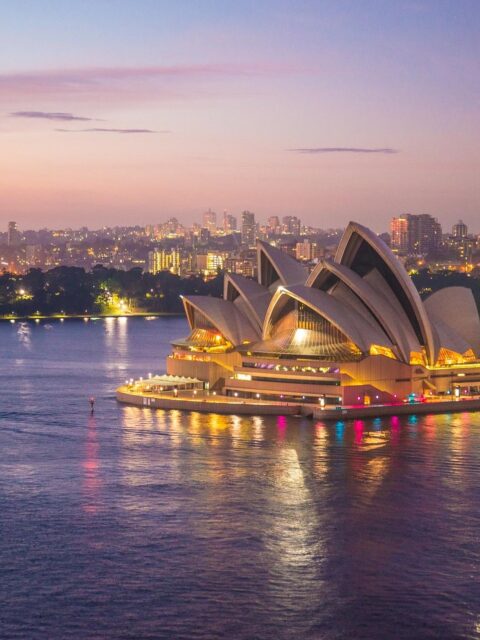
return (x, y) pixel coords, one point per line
(354, 330)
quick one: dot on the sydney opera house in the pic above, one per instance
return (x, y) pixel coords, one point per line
(353, 331)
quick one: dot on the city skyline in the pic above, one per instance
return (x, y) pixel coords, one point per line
(220, 244)
(324, 112)
(225, 223)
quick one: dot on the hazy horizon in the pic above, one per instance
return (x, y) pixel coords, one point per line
(132, 112)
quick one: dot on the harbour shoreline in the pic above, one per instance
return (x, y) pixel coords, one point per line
(89, 316)
(210, 403)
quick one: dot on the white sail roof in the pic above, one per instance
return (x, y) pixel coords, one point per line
(275, 265)
(223, 315)
(251, 297)
(362, 333)
(456, 308)
(362, 250)
(378, 303)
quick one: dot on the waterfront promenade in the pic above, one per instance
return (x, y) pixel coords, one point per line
(459, 405)
(204, 402)
(210, 402)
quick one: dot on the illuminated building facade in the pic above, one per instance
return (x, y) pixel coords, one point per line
(273, 225)
(249, 229)
(416, 234)
(352, 331)
(307, 251)
(399, 234)
(211, 262)
(291, 224)
(229, 222)
(13, 235)
(162, 260)
(460, 230)
(210, 220)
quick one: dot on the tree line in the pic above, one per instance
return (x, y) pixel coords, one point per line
(72, 291)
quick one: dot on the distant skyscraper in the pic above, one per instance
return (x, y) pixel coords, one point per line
(460, 230)
(273, 224)
(210, 220)
(429, 234)
(248, 229)
(416, 234)
(14, 235)
(204, 237)
(171, 226)
(399, 234)
(291, 224)
(229, 222)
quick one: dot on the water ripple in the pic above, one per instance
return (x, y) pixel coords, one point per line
(135, 524)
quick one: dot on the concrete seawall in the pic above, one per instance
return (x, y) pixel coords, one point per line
(228, 406)
(210, 405)
(417, 408)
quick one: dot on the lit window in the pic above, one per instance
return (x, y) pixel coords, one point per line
(377, 350)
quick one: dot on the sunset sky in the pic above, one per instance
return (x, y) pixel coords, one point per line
(128, 112)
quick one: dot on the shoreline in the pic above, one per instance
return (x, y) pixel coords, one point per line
(404, 409)
(203, 403)
(227, 405)
(89, 316)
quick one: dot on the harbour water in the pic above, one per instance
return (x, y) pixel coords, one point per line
(136, 524)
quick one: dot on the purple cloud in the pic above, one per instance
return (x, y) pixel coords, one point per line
(49, 115)
(313, 150)
(105, 130)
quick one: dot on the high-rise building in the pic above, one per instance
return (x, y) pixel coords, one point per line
(171, 227)
(229, 222)
(461, 248)
(416, 234)
(14, 236)
(273, 224)
(204, 236)
(248, 229)
(429, 234)
(399, 234)
(291, 224)
(460, 244)
(245, 266)
(211, 262)
(164, 260)
(307, 251)
(460, 230)
(210, 220)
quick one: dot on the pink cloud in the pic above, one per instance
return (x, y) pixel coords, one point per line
(149, 81)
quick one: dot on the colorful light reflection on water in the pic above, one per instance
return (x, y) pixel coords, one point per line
(134, 523)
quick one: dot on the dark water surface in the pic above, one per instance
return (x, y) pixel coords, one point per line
(140, 524)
